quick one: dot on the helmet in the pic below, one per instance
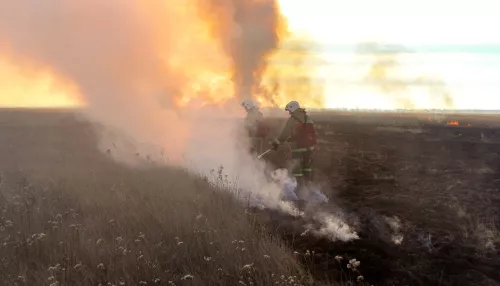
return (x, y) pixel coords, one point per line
(292, 106)
(248, 104)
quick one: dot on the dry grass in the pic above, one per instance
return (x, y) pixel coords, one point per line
(69, 216)
(130, 227)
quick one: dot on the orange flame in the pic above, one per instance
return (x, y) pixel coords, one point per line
(197, 55)
(206, 73)
(23, 88)
(453, 123)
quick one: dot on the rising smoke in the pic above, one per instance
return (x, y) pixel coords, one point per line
(123, 56)
(248, 31)
(269, 63)
(142, 66)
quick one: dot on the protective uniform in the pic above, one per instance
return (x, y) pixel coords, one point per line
(255, 126)
(303, 142)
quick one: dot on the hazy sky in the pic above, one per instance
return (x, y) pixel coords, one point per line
(456, 41)
(455, 44)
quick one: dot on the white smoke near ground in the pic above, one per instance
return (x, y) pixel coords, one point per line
(395, 226)
(133, 61)
(333, 227)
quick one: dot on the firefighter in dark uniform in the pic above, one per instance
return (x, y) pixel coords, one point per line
(300, 132)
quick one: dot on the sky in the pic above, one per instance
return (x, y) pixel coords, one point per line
(454, 41)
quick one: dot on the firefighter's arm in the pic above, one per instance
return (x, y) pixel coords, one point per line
(286, 133)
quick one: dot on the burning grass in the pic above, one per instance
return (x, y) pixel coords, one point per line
(425, 206)
(71, 216)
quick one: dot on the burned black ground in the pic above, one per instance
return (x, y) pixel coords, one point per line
(438, 183)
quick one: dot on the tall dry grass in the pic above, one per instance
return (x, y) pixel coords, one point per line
(130, 227)
(71, 216)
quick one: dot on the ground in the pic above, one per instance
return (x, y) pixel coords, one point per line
(423, 196)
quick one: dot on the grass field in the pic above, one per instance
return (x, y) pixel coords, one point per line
(423, 197)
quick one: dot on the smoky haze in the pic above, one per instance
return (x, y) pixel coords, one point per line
(121, 56)
(117, 53)
(385, 74)
(114, 62)
(135, 61)
(248, 31)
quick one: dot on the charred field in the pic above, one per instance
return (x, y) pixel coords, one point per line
(423, 193)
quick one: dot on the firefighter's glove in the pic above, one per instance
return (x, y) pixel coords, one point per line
(275, 144)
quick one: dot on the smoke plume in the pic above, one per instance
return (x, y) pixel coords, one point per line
(248, 31)
(159, 73)
(147, 68)
(133, 61)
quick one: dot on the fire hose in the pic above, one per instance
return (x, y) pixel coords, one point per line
(263, 154)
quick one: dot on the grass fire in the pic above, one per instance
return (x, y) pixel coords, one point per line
(125, 159)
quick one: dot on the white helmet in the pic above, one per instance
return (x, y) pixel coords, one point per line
(248, 104)
(292, 106)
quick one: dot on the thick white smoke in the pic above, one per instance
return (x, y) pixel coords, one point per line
(122, 56)
(134, 61)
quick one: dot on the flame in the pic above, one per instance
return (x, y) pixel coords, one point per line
(207, 58)
(206, 73)
(453, 123)
(199, 55)
(196, 60)
(25, 88)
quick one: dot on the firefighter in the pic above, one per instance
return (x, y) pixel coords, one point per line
(255, 126)
(300, 132)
